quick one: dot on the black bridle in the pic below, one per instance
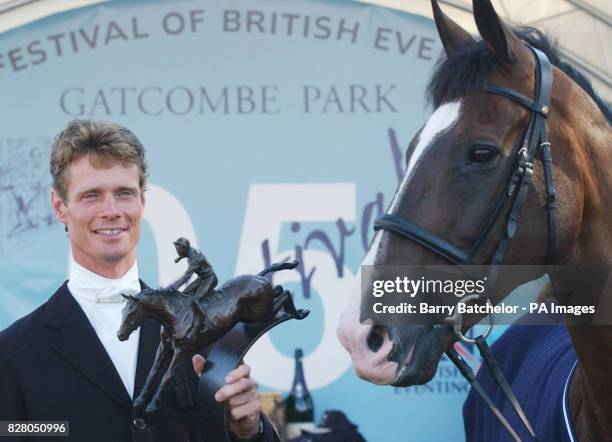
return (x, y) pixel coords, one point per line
(515, 193)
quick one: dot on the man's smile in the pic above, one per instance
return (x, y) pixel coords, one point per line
(110, 232)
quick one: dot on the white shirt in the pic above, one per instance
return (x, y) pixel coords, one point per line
(101, 300)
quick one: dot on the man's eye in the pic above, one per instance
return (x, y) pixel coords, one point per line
(482, 154)
(90, 195)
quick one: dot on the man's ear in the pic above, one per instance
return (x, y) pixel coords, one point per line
(59, 208)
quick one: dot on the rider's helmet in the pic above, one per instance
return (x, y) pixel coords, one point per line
(182, 246)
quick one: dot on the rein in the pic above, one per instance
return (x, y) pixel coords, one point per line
(516, 191)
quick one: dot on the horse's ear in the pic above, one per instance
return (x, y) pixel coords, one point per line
(452, 35)
(501, 40)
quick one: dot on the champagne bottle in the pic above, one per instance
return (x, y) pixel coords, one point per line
(299, 408)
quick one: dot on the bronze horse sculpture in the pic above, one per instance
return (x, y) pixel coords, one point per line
(191, 323)
(529, 145)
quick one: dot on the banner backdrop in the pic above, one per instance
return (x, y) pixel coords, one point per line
(273, 129)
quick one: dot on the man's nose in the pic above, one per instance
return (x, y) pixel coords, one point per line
(109, 207)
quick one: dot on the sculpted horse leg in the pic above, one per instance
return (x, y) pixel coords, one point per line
(278, 290)
(182, 332)
(285, 301)
(177, 359)
(161, 358)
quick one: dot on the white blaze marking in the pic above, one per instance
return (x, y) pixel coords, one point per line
(351, 332)
(371, 256)
(349, 321)
(350, 315)
(442, 119)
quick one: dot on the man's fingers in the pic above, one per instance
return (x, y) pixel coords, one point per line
(244, 406)
(198, 364)
(249, 411)
(229, 390)
(242, 371)
(243, 398)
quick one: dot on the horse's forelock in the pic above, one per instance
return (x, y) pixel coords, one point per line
(457, 72)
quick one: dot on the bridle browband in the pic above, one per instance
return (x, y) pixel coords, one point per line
(516, 191)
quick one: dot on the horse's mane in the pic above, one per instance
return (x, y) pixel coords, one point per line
(455, 74)
(164, 291)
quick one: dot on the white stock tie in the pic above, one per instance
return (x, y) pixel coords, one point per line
(110, 294)
(101, 301)
(100, 290)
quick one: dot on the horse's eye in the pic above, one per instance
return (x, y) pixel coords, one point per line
(482, 154)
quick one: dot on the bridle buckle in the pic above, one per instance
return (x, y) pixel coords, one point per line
(456, 320)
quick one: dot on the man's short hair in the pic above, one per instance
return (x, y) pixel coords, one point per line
(104, 142)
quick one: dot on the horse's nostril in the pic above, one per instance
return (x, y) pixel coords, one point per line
(376, 337)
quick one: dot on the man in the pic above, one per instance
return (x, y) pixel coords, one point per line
(63, 362)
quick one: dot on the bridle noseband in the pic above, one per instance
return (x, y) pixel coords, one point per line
(516, 191)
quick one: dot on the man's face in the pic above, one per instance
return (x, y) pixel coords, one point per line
(102, 211)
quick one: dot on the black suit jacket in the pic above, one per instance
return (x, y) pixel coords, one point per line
(53, 367)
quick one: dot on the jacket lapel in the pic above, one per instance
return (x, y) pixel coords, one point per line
(78, 343)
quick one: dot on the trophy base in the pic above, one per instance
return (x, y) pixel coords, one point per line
(224, 356)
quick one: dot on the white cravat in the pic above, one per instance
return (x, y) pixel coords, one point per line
(101, 300)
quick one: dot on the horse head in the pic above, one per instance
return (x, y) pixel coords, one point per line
(132, 316)
(160, 304)
(458, 167)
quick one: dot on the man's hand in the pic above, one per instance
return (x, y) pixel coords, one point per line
(242, 396)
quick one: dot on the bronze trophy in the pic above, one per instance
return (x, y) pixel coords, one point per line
(226, 320)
